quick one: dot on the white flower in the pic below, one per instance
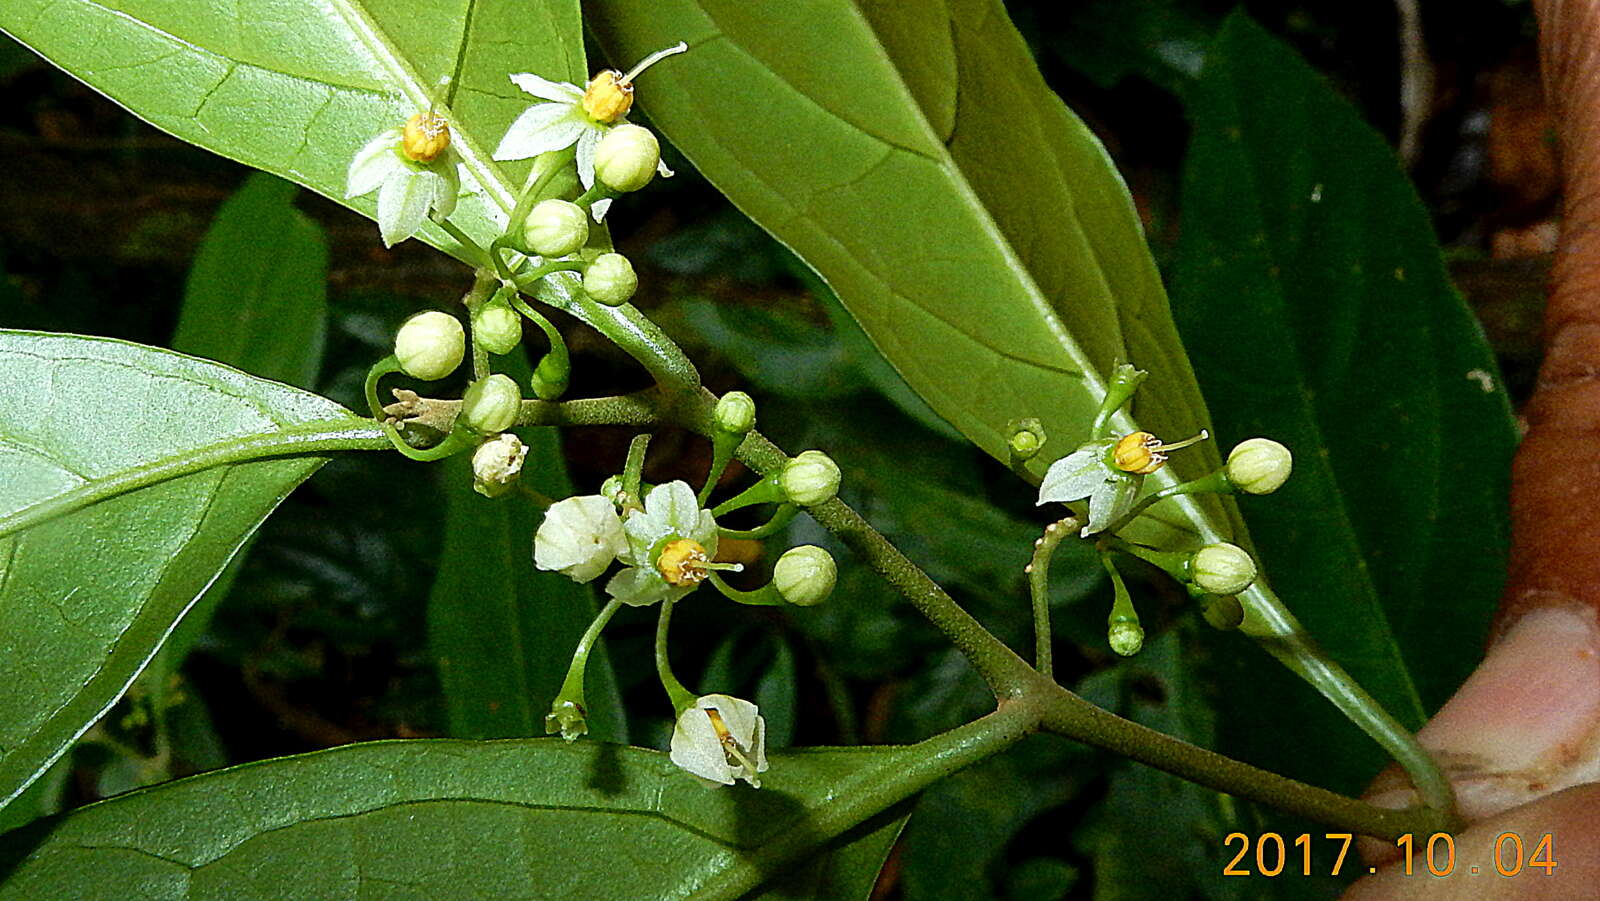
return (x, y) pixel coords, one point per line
(579, 537)
(565, 119)
(721, 739)
(670, 545)
(1089, 473)
(407, 189)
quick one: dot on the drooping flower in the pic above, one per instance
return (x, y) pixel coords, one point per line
(415, 172)
(670, 546)
(579, 537)
(573, 115)
(721, 739)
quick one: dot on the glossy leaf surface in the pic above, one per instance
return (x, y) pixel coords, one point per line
(1302, 235)
(105, 537)
(444, 819)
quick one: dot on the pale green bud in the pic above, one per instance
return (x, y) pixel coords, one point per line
(811, 478)
(1027, 437)
(1222, 569)
(497, 327)
(805, 575)
(555, 228)
(1125, 638)
(610, 279)
(736, 413)
(627, 157)
(497, 464)
(490, 404)
(1259, 465)
(551, 377)
(430, 345)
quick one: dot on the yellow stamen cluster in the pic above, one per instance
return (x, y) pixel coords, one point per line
(426, 136)
(683, 562)
(1142, 453)
(608, 97)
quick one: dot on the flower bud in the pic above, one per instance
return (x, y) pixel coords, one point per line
(551, 377)
(426, 135)
(555, 228)
(1222, 611)
(805, 575)
(430, 345)
(608, 96)
(736, 413)
(1027, 437)
(490, 404)
(497, 464)
(610, 279)
(1222, 569)
(579, 537)
(1125, 638)
(811, 478)
(497, 327)
(1259, 465)
(627, 157)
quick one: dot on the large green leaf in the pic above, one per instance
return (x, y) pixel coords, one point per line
(911, 153)
(129, 476)
(441, 819)
(501, 632)
(1302, 235)
(296, 87)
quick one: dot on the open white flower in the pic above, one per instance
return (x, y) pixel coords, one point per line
(721, 739)
(573, 115)
(671, 544)
(408, 187)
(1089, 472)
(579, 537)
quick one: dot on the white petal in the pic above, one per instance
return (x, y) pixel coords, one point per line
(372, 164)
(541, 128)
(1108, 502)
(579, 536)
(446, 188)
(662, 170)
(402, 205)
(1074, 476)
(545, 89)
(637, 586)
(696, 748)
(587, 143)
(598, 209)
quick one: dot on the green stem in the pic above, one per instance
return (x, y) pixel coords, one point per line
(545, 167)
(1215, 483)
(310, 439)
(1039, 588)
(785, 515)
(383, 367)
(481, 257)
(572, 685)
(765, 596)
(483, 287)
(766, 491)
(723, 444)
(528, 280)
(633, 466)
(681, 698)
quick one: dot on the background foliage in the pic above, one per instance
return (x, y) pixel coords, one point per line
(342, 622)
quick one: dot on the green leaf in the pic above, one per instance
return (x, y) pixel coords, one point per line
(1302, 235)
(129, 476)
(501, 632)
(296, 87)
(256, 299)
(444, 819)
(257, 295)
(911, 154)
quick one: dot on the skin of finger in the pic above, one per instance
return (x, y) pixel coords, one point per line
(1567, 816)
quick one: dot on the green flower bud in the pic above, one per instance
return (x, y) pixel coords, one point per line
(627, 157)
(1222, 611)
(610, 279)
(566, 717)
(490, 404)
(551, 377)
(736, 413)
(1027, 437)
(555, 228)
(805, 575)
(496, 327)
(430, 345)
(497, 464)
(811, 478)
(1125, 638)
(1259, 465)
(1222, 569)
